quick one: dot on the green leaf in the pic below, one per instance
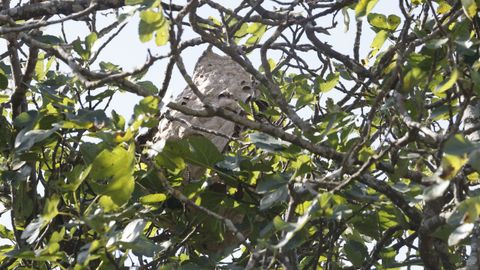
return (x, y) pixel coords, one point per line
(412, 78)
(202, 152)
(267, 142)
(3, 80)
(436, 43)
(281, 225)
(118, 120)
(145, 247)
(50, 210)
(470, 8)
(458, 145)
(393, 22)
(115, 167)
(439, 91)
(153, 22)
(443, 8)
(270, 183)
(364, 7)
(466, 212)
(32, 231)
(162, 33)
(272, 198)
(107, 66)
(133, 230)
(49, 39)
(451, 165)
(4, 98)
(377, 20)
(40, 68)
(153, 198)
(90, 40)
(26, 119)
(90, 151)
(150, 17)
(382, 22)
(133, 2)
(26, 139)
(6, 233)
(149, 86)
(76, 177)
(460, 233)
(242, 31)
(148, 106)
(330, 82)
(256, 30)
(356, 252)
(78, 48)
(87, 119)
(378, 42)
(145, 31)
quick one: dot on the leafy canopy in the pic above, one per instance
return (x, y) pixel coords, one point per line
(359, 159)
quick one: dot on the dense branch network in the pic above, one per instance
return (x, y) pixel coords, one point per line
(344, 138)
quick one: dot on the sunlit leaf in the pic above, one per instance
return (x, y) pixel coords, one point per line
(133, 230)
(439, 91)
(113, 170)
(153, 198)
(443, 7)
(378, 42)
(330, 82)
(364, 7)
(451, 164)
(162, 33)
(469, 7)
(460, 233)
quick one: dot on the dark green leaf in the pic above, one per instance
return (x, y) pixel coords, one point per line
(458, 145)
(272, 198)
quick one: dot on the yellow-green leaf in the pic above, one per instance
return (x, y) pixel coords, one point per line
(451, 164)
(256, 30)
(90, 40)
(50, 209)
(113, 172)
(382, 22)
(378, 42)
(153, 198)
(330, 82)
(439, 91)
(40, 67)
(364, 7)
(412, 78)
(443, 8)
(150, 17)
(470, 8)
(162, 35)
